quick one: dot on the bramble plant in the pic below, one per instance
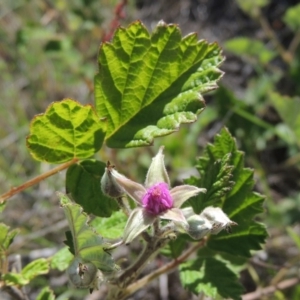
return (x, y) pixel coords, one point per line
(147, 86)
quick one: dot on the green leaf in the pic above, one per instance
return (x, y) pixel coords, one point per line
(289, 110)
(241, 204)
(46, 294)
(15, 279)
(65, 131)
(211, 277)
(175, 248)
(32, 270)
(215, 177)
(291, 17)
(6, 237)
(61, 259)
(112, 227)
(83, 182)
(37, 267)
(152, 83)
(233, 185)
(251, 48)
(86, 242)
(251, 7)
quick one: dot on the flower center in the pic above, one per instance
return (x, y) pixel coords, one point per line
(157, 199)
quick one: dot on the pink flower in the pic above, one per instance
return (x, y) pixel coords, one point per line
(155, 199)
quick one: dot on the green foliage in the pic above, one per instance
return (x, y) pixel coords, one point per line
(215, 175)
(32, 270)
(46, 294)
(251, 7)
(291, 17)
(250, 48)
(83, 183)
(6, 238)
(66, 130)
(149, 84)
(61, 259)
(289, 110)
(232, 190)
(87, 244)
(210, 276)
(112, 227)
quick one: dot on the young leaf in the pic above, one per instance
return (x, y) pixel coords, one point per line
(241, 204)
(86, 242)
(6, 237)
(215, 175)
(37, 267)
(61, 259)
(66, 130)
(46, 294)
(112, 227)
(210, 276)
(83, 182)
(233, 185)
(152, 83)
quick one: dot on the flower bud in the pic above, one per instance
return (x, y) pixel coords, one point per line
(198, 227)
(217, 218)
(109, 186)
(82, 274)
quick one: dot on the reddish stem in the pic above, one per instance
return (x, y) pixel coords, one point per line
(15, 190)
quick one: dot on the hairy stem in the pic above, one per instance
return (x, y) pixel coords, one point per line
(15, 190)
(123, 204)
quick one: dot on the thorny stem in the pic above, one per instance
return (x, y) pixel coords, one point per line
(15, 190)
(129, 290)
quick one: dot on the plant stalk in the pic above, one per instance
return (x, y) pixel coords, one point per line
(15, 190)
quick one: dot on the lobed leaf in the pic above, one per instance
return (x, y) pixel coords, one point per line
(215, 271)
(65, 131)
(37, 267)
(148, 85)
(83, 183)
(241, 204)
(112, 227)
(61, 259)
(210, 276)
(87, 244)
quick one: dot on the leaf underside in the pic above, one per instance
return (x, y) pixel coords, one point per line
(150, 84)
(86, 242)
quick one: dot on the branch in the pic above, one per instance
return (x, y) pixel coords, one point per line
(163, 270)
(260, 293)
(15, 190)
